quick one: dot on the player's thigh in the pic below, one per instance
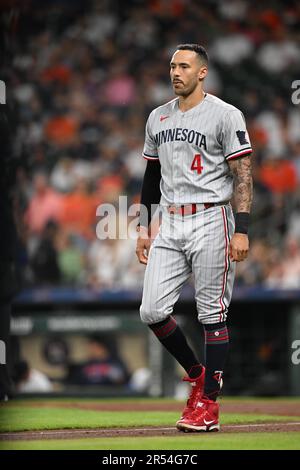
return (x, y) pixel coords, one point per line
(166, 272)
(213, 270)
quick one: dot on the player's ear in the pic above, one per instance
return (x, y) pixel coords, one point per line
(202, 72)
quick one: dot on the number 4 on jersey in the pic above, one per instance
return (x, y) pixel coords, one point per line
(196, 164)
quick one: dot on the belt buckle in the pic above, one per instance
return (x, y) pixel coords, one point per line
(172, 210)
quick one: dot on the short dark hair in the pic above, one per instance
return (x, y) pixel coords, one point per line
(200, 50)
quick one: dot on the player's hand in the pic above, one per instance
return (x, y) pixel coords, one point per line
(239, 247)
(143, 245)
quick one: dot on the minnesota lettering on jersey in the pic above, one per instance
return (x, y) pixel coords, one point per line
(179, 134)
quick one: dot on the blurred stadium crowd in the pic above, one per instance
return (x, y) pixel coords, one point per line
(85, 76)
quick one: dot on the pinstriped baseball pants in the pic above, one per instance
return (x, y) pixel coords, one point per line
(196, 245)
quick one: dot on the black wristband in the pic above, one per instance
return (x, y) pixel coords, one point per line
(242, 222)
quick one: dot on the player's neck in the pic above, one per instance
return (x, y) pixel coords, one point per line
(187, 102)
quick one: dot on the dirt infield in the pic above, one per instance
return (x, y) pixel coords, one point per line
(138, 432)
(257, 407)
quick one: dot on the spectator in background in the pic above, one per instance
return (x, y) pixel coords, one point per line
(120, 89)
(279, 54)
(30, 380)
(44, 261)
(286, 273)
(62, 130)
(103, 366)
(278, 175)
(295, 153)
(45, 205)
(281, 124)
(70, 259)
(231, 48)
(103, 263)
(109, 188)
(84, 87)
(78, 212)
(134, 165)
(62, 176)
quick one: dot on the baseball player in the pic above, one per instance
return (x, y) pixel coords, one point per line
(198, 153)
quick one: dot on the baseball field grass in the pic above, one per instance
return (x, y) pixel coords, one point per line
(133, 424)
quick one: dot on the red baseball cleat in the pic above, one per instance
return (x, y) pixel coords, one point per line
(195, 394)
(204, 418)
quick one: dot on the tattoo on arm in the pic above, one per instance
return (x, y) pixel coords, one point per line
(243, 185)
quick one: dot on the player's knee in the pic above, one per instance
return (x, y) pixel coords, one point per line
(149, 314)
(146, 314)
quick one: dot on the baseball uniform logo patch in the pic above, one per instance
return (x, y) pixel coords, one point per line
(208, 422)
(241, 135)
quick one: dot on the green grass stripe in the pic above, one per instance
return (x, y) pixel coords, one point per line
(18, 418)
(145, 400)
(199, 441)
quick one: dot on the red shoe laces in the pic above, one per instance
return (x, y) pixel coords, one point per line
(194, 395)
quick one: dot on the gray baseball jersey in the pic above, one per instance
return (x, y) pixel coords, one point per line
(193, 148)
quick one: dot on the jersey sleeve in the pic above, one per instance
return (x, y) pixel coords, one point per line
(235, 138)
(150, 148)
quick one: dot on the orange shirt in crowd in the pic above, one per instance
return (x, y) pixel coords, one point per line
(79, 212)
(279, 176)
(42, 208)
(61, 129)
(58, 72)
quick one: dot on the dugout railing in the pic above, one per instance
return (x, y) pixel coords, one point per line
(264, 324)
